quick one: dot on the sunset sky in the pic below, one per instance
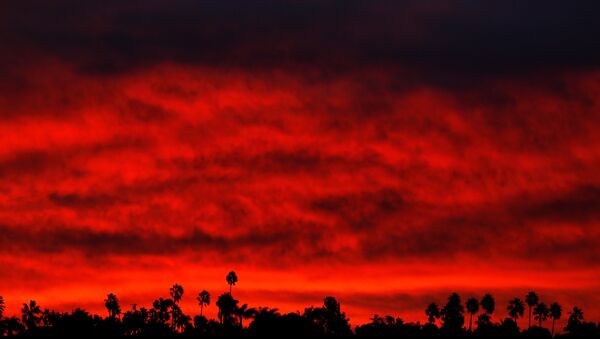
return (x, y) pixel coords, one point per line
(384, 152)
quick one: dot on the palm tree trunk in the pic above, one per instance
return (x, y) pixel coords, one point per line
(230, 289)
(470, 322)
(529, 325)
(552, 327)
(201, 306)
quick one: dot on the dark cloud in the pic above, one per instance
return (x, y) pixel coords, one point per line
(78, 201)
(439, 39)
(99, 243)
(364, 210)
(579, 204)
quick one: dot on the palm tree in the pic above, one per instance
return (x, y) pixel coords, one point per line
(433, 312)
(227, 307)
(180, 320)
(176, 293)
(31, 314)
(244, 312)
(231, 279)
(112, 305)
(531, 299)
(516, 308)
(472, 308)
(541, 312)
(555, 313)
(161, 310)
(575, 318)
(203, 299)
(2, 307)
(488, 304)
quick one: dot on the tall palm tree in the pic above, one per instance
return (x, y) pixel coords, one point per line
(472, 308)
(488, 304)
(531, 299)
(244, 312)
(516, 309)
(2, 307)
(31, 314)
(555, 313)
(433, 312)
(112, 305)
(231, 279)
(541, 312)
(176, 293)
(203, 299)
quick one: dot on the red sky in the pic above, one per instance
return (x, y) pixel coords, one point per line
(386, 184)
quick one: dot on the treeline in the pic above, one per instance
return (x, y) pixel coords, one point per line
(166, 319)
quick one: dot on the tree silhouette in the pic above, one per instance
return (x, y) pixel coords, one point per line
(329, 319)
(575, 319)
(31, 314)
(112, 305)
(267, 322)
(555, 313)
(244, 312)
(167, 319)
(180, 320)
(203, 299)
(433, 312)
(12, 327)
(227, 308)
(452, 315)
(516, 309)
(231, 279)
(2, 307)
(531, 299)
(176, 292)
(488, 304)
(541, 312)
(161, 309)
(472, 308)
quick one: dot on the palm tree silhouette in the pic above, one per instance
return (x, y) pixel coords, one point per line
(203, 299)
(433, 312)
(488, 304)
(179, 320)
(112, 305)
(31, 314)
(575, 317)
(231, 279)
(2, 307)
(227, 307)
(472, 308)
(555, 313)
(176, 293)
(161, 309)
(244, 312)
(541, 312)
(531, 299)
(516, 309)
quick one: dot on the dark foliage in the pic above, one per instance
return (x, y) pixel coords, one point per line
(166, 319)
